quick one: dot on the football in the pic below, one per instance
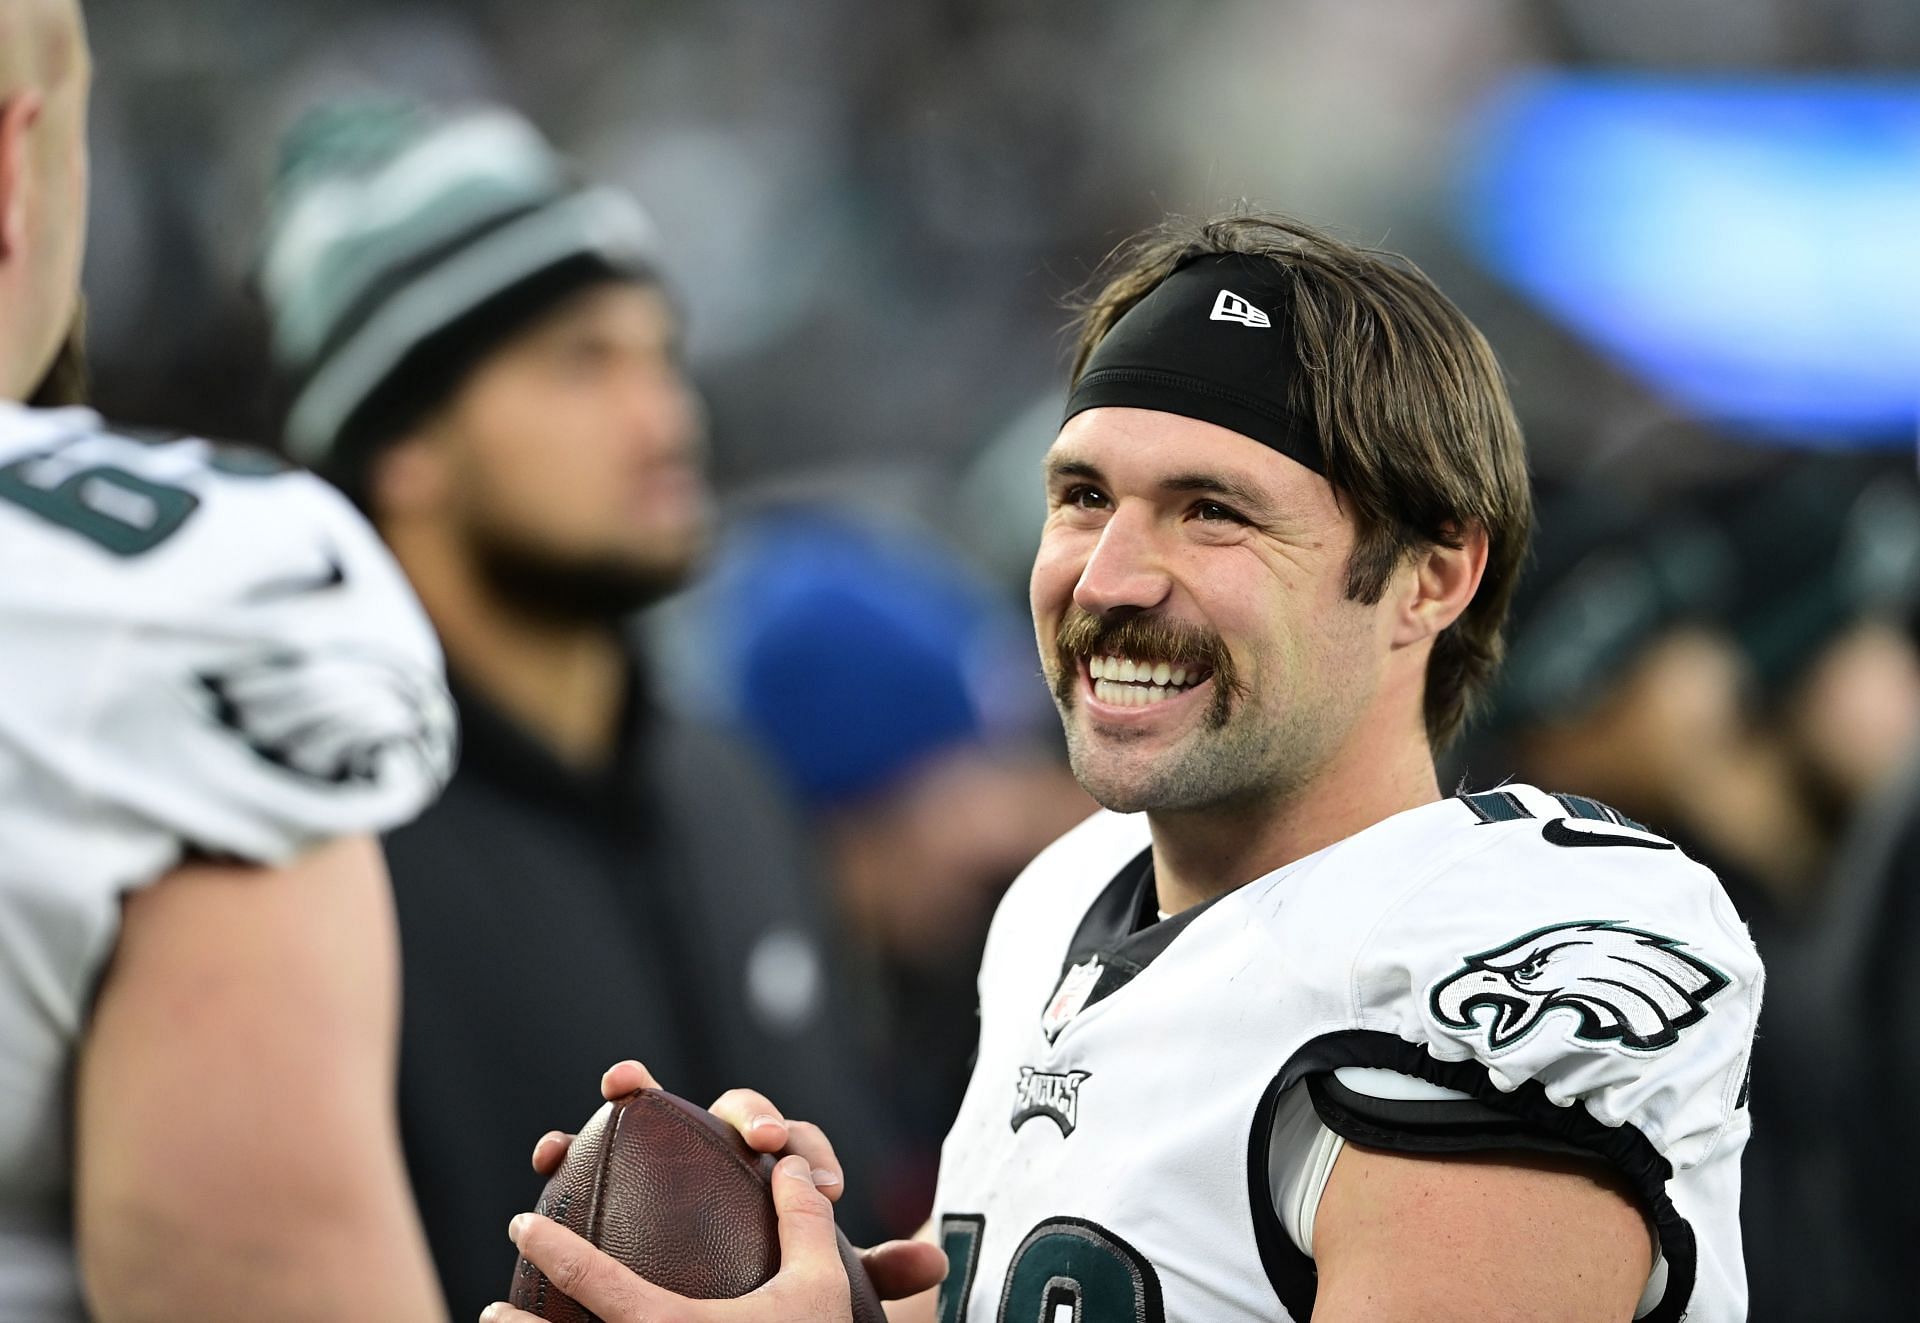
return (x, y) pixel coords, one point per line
(675, 1194)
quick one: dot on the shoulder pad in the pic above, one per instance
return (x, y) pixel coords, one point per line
(1585, 954)
(212, 643)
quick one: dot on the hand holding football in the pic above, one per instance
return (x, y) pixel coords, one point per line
(674, 1194)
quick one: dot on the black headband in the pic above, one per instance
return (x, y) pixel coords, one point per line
(1213, 341)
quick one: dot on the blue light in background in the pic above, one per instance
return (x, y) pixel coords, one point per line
(1749, 248)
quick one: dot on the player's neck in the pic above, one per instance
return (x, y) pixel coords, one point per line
(567, 688)
(16, 379)
(1209, 852)
(563, 681)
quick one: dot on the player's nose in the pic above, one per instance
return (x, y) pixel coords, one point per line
(1126, 571)
(664, 416)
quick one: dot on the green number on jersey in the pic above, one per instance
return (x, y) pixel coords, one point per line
(960, 1238)
(120, 511)
(1066, 1269)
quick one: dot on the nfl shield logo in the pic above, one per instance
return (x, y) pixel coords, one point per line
(1074, 990)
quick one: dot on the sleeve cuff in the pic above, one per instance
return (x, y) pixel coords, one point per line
(1456, 1124)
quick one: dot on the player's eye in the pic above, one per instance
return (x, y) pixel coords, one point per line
(582, 355)
(1212, 512)
(1084, 497)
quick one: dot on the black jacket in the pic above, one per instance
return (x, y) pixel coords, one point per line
(552, 924)
(1853, 1027)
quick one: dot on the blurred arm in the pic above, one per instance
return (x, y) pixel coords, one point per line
(238, 1155)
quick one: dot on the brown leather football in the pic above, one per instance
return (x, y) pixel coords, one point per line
(673, 1192)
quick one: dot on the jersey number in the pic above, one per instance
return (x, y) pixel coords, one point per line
(1067, 1270)
(120, 511)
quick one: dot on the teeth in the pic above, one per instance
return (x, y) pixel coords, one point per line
(1121, 694)
(1124, 682)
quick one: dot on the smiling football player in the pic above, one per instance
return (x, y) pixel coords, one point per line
(1286, 1033)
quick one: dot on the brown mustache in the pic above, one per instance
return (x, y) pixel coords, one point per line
(1143, 638)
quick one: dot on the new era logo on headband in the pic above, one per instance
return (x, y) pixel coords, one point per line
(1168, 353)
(1230, 307)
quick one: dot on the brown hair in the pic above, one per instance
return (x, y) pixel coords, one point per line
(1413, 417)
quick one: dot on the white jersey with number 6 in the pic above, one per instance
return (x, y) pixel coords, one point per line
(1540, 972)
(201, 652)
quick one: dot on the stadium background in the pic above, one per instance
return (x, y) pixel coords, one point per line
(1692, 232)
(899, 195)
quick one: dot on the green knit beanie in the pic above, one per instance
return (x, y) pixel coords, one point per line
(403, 242)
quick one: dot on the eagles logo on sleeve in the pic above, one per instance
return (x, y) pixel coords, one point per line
(1625, 986)
(338, 718)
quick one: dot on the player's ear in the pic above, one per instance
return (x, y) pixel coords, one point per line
(1436, 585)
(408, 478)
(17, 116)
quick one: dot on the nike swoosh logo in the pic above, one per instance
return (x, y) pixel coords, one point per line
(333, 576)
(1557, 832)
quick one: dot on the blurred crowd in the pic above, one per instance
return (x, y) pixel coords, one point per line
(1739, 667)
(864, 219)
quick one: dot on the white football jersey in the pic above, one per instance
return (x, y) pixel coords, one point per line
(1126, 1135)
(200, 652)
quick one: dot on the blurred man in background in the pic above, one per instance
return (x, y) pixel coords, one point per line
(900, 701)
(1865, 1011)
(1832, 554)
(482, 353)
(1829, 549)
(1734, 671)
(1623, 678)
(216, 687)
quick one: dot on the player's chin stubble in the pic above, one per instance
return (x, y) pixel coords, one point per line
(1238, 757)
(1144, 638)
(1253, 752)
(575, 589)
